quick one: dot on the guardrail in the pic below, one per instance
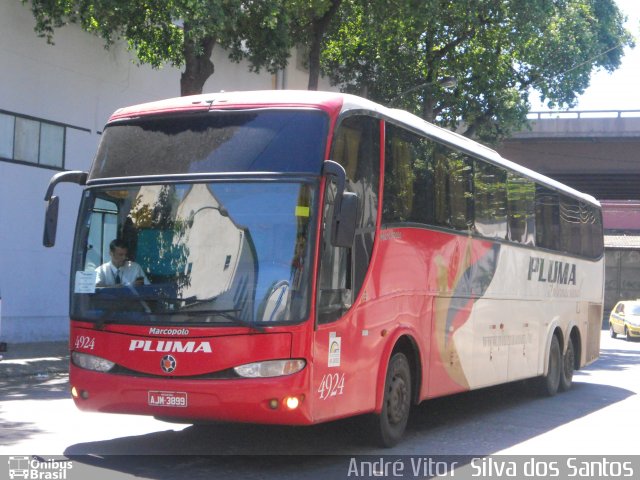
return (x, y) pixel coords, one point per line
(577, 114)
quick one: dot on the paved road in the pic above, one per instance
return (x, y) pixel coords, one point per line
(598, 416)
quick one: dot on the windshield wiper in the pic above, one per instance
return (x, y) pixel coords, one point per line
(228, 314)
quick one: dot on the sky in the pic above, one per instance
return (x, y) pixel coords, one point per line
(619, 90)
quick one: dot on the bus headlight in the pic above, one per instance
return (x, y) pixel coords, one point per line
(91, 362)
(270, 368)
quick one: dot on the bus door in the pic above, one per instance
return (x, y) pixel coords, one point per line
(343, 377)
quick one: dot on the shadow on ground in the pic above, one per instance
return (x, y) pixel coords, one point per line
(473, 424)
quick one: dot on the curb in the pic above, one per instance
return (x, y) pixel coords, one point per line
(40, 360)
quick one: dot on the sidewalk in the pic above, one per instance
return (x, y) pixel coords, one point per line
(34, 359)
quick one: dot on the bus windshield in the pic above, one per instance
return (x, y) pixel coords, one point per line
(218, 141)
(198, 253)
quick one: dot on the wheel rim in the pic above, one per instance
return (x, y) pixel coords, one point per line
(398, 400)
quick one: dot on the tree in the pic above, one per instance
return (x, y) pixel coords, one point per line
(178, 32)
(302, 23)
(311, 20)
(497, 50)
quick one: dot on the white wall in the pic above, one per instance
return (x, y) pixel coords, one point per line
(79, 83)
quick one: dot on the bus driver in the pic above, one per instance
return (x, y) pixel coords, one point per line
(120, 271)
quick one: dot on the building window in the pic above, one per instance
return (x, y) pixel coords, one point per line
(6, 135)
(32, 141)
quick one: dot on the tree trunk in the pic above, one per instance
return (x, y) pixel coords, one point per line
(318, 28)
(198, 67)
(314, 64)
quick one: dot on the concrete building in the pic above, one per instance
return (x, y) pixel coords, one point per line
(54, 102)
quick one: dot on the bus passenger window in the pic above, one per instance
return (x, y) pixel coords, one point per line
(570, 225)
(547, 218)
(441, 190)
(490, 200)
(452, 189)
(399, 179)
(591, 231)
(408, 181)
(520, 207)
(460, 191)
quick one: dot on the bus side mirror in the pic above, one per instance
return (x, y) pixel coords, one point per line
(51, 222)
(345, 208)
(53, 203)
(344, 227)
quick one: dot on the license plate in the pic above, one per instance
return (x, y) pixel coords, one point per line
(168, 399)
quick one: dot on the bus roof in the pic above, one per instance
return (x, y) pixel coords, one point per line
(328, 101)
(333, 103)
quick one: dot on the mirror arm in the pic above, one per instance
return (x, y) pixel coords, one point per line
(73, 176)
(337, 171)
(51, 213)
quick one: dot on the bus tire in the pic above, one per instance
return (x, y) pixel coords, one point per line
(547, 385)
(396, 402)
(568, 366)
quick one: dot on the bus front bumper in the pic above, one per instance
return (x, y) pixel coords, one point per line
(279, 400)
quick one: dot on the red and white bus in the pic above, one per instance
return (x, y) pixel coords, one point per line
(310, 256)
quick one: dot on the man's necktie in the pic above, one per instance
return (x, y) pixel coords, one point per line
(118, 277)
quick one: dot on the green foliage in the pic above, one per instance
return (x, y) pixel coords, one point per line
(390, 51)
(270, 29)
(264, 38)
(497, 50)
(150, 31)
(182, 33)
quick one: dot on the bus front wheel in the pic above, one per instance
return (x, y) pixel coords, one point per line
(396, 403)
(548, 384)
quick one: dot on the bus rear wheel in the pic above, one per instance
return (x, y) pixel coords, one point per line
(568, 366)
(396, 403)
(547, 385)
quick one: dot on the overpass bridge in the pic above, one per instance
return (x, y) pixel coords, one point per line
(597, 151)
